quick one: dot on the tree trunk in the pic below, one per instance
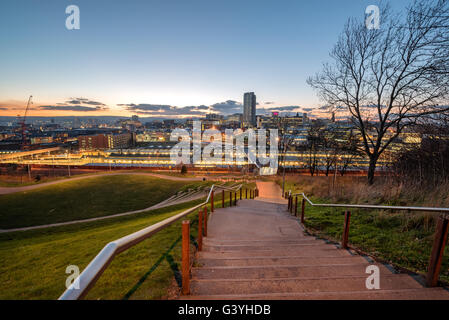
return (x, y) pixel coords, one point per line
(327, 170)
(371, 169)
(283, 179)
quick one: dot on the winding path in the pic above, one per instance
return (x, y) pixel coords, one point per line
(185, 197)
(166, 203)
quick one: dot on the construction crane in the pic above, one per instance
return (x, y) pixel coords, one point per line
(23, 124)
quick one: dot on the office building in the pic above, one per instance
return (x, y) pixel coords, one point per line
(99, 141)
(105, 141)
(249, 109)
(120, 140)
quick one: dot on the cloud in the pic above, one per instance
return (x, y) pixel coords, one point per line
(281, 109)
(75, 104)
(202, 107)
(71, 105)
(71, 108)
(145, 107)
(224, 108)
(288, 108)
(13, 105)
(165, 110)
(269, 102)
(228, 107)
(84, 101)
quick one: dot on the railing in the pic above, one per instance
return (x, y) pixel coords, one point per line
(86, 280)
(369, 206)
(441, 231)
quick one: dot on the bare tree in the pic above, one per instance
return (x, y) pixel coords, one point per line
(390, 77)
(314, 142)
(348, 152)
(330, 148)
(284, 145)
(428, 161)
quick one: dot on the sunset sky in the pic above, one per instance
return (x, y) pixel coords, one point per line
(166, 57)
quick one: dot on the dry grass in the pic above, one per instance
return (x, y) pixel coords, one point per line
(402, 237)
(386, 191)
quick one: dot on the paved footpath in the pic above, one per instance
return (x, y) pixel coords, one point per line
(258, 251)
(186, 197)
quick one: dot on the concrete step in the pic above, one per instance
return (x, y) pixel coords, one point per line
(285, 260)
(302, 285)
(260, 242)
(242, 238)
(258, 251)
(284, 271)
(240, 211)
(316, 244)
(305, 251)
(405, 294)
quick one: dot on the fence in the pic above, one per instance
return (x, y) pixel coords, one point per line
(441, 231)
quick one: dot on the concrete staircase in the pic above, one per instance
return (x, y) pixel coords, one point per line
(258, 251)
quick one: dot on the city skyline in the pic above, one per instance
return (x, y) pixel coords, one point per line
(164, 61)
(82, 107)
(212, 150)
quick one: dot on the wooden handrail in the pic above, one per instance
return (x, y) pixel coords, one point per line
(370, 206)
(441, 231)
(87, 279)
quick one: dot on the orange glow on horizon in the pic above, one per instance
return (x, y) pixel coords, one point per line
(14, 108)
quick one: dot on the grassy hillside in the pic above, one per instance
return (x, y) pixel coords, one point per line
(33, 263)
(88, 198)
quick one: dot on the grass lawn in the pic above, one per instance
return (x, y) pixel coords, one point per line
(402, 238)
(33, 263)
(14, 183)
(17, 181)
(8, 181)
(87, 198)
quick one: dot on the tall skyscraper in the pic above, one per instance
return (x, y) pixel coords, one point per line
(249, 109)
